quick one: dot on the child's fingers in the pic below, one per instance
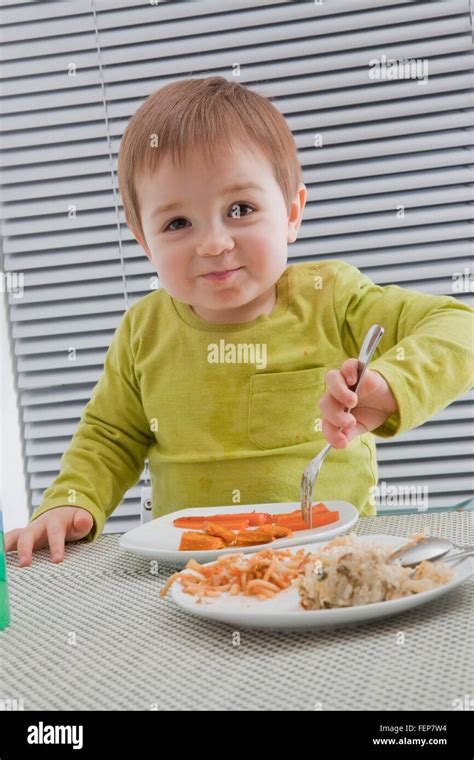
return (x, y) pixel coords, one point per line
(29, 539)
(333, 411)
(10, 539)
(56, 537)
(337, 387)
(350, 371)
(50, 528)
(336, 437)
(80, 524)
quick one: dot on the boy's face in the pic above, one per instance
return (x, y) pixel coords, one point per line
(214, 228)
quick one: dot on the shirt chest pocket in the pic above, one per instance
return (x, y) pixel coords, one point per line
(284, 408)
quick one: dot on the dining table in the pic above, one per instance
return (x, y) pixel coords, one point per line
(92, 633)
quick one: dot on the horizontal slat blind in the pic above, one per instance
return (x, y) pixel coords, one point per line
(386, 144)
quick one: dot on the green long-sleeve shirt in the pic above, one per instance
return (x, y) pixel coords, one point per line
(228, 413)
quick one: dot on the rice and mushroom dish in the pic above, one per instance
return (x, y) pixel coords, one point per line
(351, 570)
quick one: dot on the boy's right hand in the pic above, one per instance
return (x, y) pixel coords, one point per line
(53, 527)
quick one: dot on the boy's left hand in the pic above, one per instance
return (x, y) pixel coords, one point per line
(374, 403)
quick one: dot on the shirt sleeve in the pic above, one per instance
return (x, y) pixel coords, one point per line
(107, 452)
(426, 354)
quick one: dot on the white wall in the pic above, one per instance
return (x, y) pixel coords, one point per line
(13, 495)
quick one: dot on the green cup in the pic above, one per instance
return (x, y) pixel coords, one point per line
(4, 605)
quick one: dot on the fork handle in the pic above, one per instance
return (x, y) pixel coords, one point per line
(372, 339)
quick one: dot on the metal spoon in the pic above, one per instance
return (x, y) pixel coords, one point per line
(428, 549)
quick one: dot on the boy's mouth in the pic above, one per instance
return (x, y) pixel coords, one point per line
(222, 275)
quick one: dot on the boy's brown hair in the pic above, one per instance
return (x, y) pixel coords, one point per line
(203, 115)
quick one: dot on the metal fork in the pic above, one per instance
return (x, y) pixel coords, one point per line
(372, 339)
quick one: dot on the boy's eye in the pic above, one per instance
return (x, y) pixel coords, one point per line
(180, 219)
(235, 210)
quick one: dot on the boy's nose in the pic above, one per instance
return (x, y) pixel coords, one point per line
(215, 244)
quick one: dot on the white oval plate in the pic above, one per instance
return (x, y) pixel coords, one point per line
(284, 612)
(159, 538)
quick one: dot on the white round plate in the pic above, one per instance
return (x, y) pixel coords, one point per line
(284, 612)
(159, 539)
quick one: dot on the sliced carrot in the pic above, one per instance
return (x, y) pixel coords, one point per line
(318, 509)
(188, 522)
(325, 518)
(236, 521)
(250, 537)
(297, 523)
(232, 524)
(259, 518)
(254, 518)
(197, 523)
(276, 531)
(221, 531)
(292, 523)
(199, 542)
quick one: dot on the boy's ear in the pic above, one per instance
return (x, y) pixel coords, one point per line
(296, 213)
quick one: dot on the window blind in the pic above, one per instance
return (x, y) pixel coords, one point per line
(72, 75)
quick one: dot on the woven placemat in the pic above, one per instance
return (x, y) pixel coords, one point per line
(92, 634)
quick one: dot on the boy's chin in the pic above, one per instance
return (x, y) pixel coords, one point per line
(217, 307)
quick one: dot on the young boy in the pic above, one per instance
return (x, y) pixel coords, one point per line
(236, 372)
